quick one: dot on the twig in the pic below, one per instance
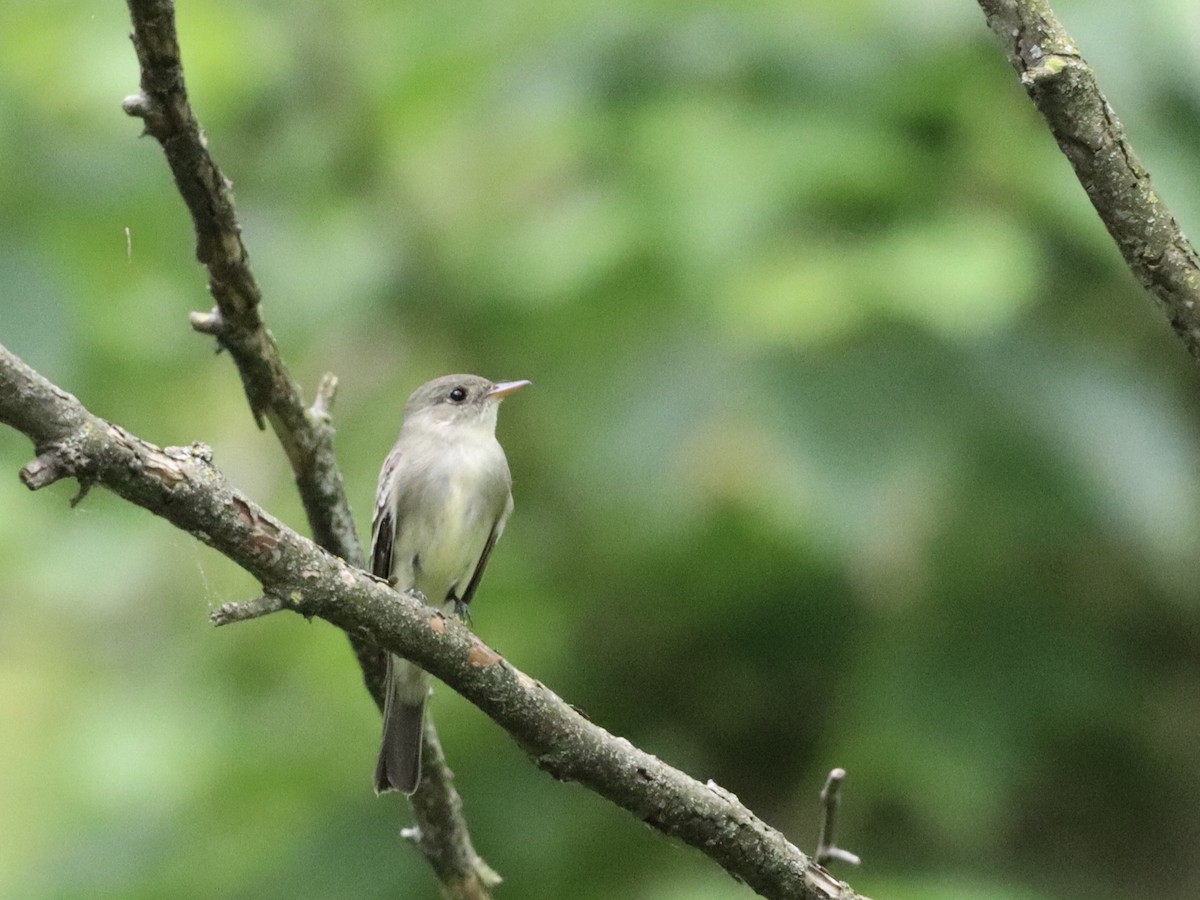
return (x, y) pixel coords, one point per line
(229, 613)
(326, 392)
(444, 839)
(162, 104)
(306, 435)
(1064, 89)
(182, 486)
(831, 796)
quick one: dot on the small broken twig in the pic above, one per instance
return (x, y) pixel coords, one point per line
(827, 850)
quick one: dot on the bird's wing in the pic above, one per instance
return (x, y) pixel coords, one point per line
(473, 584)
(383, 523)
(479, 567)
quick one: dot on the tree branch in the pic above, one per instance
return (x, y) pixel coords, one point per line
(1064, 89)
(437, 809)
(182, 486)
(831, 797)
(306, 435)
(307, 438)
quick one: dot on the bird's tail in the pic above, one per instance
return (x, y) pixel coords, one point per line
(399, 766)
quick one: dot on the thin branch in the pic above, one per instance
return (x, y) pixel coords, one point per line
(162, 105)
(326, 392)
(182, 486)
(1064, 89)
(229, 613)
(831, 797)
(306, 435)
(443, 839)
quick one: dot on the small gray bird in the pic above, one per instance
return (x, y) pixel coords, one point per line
(444, 495)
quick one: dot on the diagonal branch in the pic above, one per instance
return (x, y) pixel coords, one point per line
(437, 808)
(182, 486)
(1064, 89)
(273, 395)
(306, 435)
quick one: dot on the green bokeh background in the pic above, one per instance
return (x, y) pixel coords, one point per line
(852, 442)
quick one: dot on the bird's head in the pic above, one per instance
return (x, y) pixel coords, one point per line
(459, 399)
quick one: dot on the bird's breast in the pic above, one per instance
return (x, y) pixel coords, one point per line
(448, 514)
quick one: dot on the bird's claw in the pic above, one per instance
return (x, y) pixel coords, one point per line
(417, 595)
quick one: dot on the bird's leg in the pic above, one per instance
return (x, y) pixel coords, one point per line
(462, 612)
(417, 595)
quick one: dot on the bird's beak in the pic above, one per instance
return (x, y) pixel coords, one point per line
(504, 388)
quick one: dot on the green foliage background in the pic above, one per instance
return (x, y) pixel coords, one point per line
(852, 442)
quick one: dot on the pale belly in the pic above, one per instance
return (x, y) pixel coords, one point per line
(439, 547)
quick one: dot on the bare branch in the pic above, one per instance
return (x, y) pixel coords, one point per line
(442, 835)
(228, 613)
(1064, 89)
(43, 471)
(306, 435)
(827, 848)
(326, 392)
(182, 486)
(162, 104)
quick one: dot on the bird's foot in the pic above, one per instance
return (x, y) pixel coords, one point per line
(417, 595)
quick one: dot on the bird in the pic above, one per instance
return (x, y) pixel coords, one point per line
(444, 496)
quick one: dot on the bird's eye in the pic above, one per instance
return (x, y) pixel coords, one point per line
(458, 395)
